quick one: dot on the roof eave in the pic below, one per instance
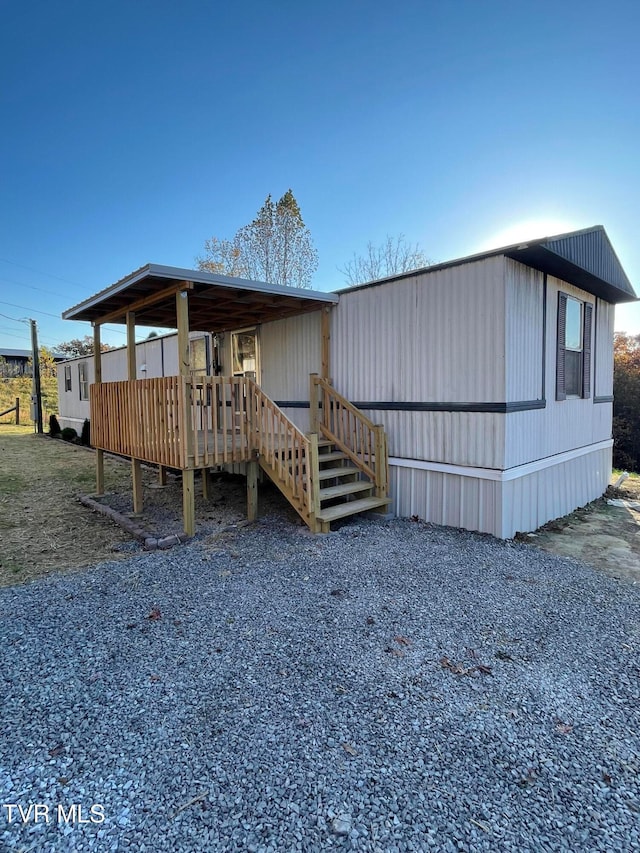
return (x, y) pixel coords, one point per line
(539, 257)
(199, 277)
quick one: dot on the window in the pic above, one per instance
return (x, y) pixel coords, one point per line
(83, 380)
(67, 377)
(573, 354)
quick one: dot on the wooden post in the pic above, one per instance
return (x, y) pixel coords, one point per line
(162, 475)
(136, 468)
(188, 502)
(17, 411)
(325, 326)
(205, 483)
(380, 451)
(314, 403)
(184, 367)
(314, 482)
(252, 490)
(97, 378)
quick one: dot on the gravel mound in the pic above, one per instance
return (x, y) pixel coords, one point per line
(388, 687)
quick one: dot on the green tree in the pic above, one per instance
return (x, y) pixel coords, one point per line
(275, 247)
(393, 257)
(626, 406)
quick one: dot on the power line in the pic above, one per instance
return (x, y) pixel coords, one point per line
(39, 272)
(15, 319)
(34, 310)
(32, 287)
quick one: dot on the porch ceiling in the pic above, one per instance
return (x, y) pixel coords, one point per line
(217, 303)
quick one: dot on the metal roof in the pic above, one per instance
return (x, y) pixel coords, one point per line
(216, 302)
(584, 258)
(15, 353)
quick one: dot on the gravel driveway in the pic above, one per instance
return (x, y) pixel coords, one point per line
(386, 687)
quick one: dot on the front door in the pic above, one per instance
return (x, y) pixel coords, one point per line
(244, 362)
(244, 353)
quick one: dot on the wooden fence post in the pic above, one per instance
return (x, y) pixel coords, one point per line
(17, 411)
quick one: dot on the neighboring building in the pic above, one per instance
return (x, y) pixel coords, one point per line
(492, 374)
(17, 362)
(14, 361)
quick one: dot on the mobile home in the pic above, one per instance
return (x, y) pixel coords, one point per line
(475, 393)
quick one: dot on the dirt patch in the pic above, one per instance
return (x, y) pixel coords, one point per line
(604, 536)
(44, 528)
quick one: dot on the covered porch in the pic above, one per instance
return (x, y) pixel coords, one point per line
(192, 422)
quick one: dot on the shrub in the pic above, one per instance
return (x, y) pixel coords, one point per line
(85, 435)
(54, 426)
(69, 434)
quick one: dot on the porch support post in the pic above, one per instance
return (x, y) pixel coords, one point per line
(314, 403)
(205, 483)
(162, 475)
(187, 436)
(97, 378)
(136, 468)
(252, 490)
(325, 331)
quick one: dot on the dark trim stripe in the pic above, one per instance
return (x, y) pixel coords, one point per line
(607, 399)
(390, 406)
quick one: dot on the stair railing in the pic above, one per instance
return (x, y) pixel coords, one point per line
(288, 456)
(338, 420)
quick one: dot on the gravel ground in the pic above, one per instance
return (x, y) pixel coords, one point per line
(386, 687)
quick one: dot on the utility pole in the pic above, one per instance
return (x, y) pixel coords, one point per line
(36, 396)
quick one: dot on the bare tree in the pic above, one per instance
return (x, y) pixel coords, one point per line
(80, 346)
(392, 257)
(224, 257)
(276, 247)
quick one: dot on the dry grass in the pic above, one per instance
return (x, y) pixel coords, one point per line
(20, 386)
(43, 528)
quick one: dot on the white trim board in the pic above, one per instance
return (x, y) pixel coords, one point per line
(494, 473)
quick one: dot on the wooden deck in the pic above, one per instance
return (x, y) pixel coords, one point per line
(193, 423)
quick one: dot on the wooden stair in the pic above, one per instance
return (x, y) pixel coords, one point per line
(344, 489)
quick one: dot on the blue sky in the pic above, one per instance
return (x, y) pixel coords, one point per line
(133, 131)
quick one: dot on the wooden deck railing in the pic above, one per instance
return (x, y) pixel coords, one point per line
(364, 442)
(141, 419)
(219, 419)
(286, 453)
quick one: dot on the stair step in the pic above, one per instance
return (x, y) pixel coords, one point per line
(330, 473)
(333, 456)
(351, 508)
(325, 442)
(345, 489)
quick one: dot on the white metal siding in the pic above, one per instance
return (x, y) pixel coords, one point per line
(524, 321)
(289, 351)
(448, 499)
(603, 353)
(532, 500)
(561, 425)
(456, 438)
(71, 409)
(433, 337)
